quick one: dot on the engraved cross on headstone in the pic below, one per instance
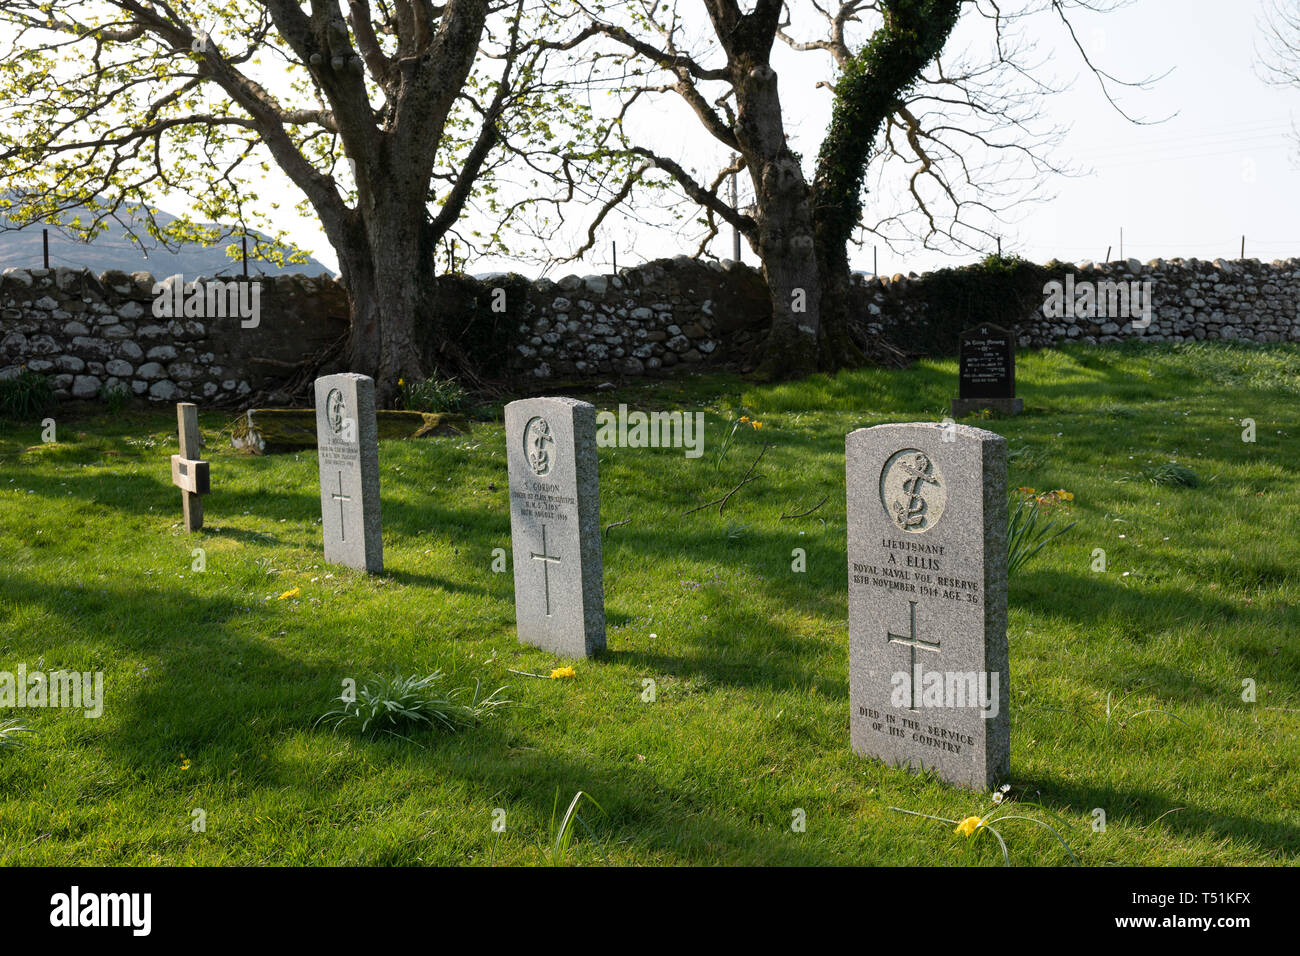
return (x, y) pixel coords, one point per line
(547, 560)
(340, 497)
(913, 642)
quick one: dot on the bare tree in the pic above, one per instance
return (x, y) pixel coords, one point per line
(391, 117)
(1278, 63)
(1279, 60)
(966, 131)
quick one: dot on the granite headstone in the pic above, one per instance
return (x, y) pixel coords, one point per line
(347, 440)
(555, 525)
(986, 375)
(927, 549)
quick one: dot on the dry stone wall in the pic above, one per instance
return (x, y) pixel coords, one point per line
(1190, 300)
(664, 315)
(97, 333)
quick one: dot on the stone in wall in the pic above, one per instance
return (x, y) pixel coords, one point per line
(93, 334)
(1191, 300)
(667, 314)
(99, 334)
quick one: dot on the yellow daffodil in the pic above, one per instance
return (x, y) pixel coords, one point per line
(292, 592)
(744, 419)
(566, 671)
(757, 424)
(185, 765)
(968, 826)
(1025, 491)
(401, 381)
(1064, 495)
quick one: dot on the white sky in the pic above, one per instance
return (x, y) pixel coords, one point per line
(1223, 166)
(1192, 186)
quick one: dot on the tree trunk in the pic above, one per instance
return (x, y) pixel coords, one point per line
(836, 348)
(786, 245)
(868, 89)
(783, 213)
(386, 269)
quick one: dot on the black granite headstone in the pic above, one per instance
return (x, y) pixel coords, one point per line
(988, 363)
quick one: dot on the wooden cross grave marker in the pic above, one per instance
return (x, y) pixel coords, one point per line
(189, 473)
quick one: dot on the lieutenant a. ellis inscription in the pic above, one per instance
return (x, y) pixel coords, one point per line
(915, 568)
(927, 599)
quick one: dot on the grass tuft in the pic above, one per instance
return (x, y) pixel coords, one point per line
(1025, 536)
(562, 833)
(25, 396)
(1172, 473)
(409, 703)
(11, 733)
(435, 395)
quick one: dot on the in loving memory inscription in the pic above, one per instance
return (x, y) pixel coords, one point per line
(987, 363)
(986, 375)
(555, 525)
(928, 681)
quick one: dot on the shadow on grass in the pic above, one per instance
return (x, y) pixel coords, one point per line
(641, 811)
(1141, 808)
(238, 534)
(204, 678)
(785, 662)
(215, 693)
(1139, 611)
(432, 581)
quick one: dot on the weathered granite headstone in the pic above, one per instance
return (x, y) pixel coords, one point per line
(927, 525)
(347, 443)
(189, 474)
(987, 372)
(555, 525)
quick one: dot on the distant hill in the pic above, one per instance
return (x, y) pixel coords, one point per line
(112, 249)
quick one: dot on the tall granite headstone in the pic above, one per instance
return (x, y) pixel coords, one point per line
(555, 525)
(986, 375)
(927, 546)
(347, 441)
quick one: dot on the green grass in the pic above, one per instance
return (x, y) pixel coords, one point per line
(214, 684)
